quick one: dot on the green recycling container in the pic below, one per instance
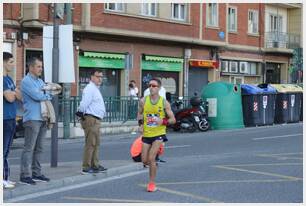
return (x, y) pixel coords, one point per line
(224, 105)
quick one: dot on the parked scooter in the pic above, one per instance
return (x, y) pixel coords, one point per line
(190, 119)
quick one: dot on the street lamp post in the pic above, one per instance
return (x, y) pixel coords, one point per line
(55, 66)
(67, 86)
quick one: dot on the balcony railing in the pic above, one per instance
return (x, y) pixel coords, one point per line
(281, 40)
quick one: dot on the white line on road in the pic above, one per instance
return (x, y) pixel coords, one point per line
(71, 187)
(274, 137)
(108, 200)
(177, 146)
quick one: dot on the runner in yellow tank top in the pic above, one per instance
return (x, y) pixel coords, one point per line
(152, 113)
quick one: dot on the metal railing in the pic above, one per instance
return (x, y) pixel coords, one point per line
(120, 108)
(281, 40)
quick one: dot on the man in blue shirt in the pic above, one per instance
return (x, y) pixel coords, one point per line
(93, 108)
(34, 125)
(10, 95)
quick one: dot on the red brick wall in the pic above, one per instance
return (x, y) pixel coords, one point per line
(277, 58)
(76, 14)
(100, 19)
(242, 37)
(242, 54)
(212, 34)
(11, 10)
(45, 12)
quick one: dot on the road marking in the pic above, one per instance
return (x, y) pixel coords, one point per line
(108, 200)
(177, 146)
(268, 164)
(281, 156)
(258, 172)
(274, 137)
(291, 153)
(226, 181)
(185, 194)
(71, 187)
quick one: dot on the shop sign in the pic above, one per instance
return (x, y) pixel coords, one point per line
(204, 63)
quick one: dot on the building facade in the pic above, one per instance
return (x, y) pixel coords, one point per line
(185, 45)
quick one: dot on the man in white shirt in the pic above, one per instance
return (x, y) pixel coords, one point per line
(93, 107)
(133, 82)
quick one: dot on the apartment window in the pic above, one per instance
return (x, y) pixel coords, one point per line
(252, 68)
(243, 67)
(276, 23)
(233, 66)
(253, 22)
(179, 11)
(232, 19)
(224, 66)
(114, 6)
(212, 14)
(148, 9)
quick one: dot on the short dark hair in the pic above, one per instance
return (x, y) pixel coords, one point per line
(7, 56)
(133, 81)
(92, 72)
(157, 80)
(32, 61)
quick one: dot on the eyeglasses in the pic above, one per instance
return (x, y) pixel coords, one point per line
(153, 85)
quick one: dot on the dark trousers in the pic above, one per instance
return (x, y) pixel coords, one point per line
(34, 134)
(8, 134)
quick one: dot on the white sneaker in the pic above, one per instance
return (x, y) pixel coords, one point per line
(7, 185)
(11, 182)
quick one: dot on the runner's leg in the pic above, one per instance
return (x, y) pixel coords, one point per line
(144, 153)
(152, 155)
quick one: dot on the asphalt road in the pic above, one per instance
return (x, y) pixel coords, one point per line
(251, 165)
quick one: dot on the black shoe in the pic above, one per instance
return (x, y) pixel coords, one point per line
(27, 181)
(40, 178)
(160, 160)
(99, 169)
(87, 171)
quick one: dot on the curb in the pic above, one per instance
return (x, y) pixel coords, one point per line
(68, 181)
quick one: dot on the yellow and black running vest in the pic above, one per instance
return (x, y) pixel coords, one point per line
(151, 114)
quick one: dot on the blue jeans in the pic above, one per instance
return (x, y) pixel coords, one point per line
(8, 134)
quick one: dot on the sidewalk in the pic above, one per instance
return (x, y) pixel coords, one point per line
(67, 173)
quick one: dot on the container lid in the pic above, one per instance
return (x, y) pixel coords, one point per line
(267, 89)
(250, 89)
(285, 88)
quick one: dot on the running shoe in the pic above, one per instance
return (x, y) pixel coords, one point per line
(151, 187)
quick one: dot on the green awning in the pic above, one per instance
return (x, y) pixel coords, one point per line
(99, 62)
(163, 59)
(161, 66)
(104, 55)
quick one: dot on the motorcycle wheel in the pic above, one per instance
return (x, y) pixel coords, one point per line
(203, 126)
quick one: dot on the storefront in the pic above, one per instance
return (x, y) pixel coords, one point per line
(198, 75)
(167, 69)
(241, 71)
(111, 64)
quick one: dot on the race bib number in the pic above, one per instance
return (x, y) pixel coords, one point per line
(152, 120)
